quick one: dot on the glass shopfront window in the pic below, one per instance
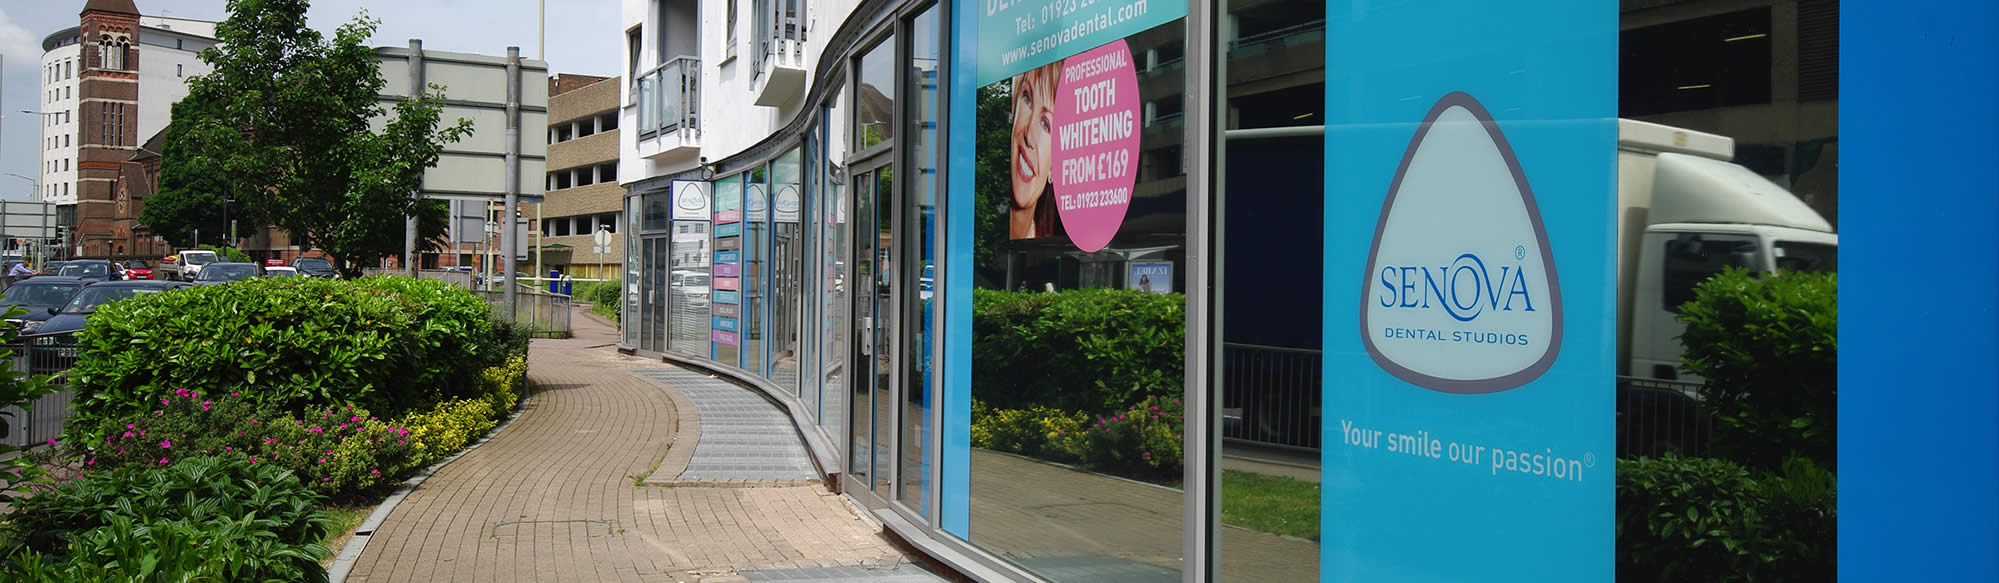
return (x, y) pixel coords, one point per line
(786, 258)
(685, 274)
(920, 151)
(634, 283)
(756, 265)
(1078, 326)
(832, 223)
(726, 295)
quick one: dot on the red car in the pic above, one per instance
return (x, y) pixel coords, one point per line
(136, 269)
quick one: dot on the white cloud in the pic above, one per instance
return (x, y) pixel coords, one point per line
(23, 49)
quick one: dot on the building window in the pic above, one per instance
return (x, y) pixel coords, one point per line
(632, 47)
(607, 172)
(584, 177)
(608, 222)
(178, 71)
(607, 122)
(562, 133)
(561, 227)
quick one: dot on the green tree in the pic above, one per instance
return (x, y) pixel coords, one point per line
(291, 130)
(995, 155)
(190, 195)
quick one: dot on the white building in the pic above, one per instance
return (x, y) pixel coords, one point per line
(742, 68)
(168, 53)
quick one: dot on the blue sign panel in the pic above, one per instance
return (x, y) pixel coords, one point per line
(1017, 35)
(1468, 291)
(729, 230)
(727, 297)
(728, 256)
(727, 324)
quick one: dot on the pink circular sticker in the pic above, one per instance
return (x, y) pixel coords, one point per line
(1096, 143)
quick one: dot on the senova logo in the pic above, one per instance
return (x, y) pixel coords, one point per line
(692, 199)
(1460, 290)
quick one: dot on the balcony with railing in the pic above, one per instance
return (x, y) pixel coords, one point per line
(668, 100)
(778, 52)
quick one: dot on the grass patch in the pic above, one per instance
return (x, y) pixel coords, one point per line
(1273, 504)
(346, 519)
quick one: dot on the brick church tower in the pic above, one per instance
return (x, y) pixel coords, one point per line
(108, 84)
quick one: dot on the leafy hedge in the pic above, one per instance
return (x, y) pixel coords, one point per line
(1767, 347)
(1694, 519)
(603, 296)
(229, 254)
(1087, 350)
(199, 519)
(1143, 441)
(386, 344)
(341, 451)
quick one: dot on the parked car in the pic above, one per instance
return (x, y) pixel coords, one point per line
(314, 267)
(50, 268)
(221, 273)
(93, 270)
(42, 296)
(136, 269)
(189, 263)
(282, 271)
(87, 300)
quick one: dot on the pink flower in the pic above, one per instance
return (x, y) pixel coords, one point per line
(375, 472)
(1147, 455)
(235, 394)
(253, 460)
(166, 402)
(129, 426)
(269, 440)
(399, 442)
(253, 420)
(322, 460)
(227, 448)
(354, 419)
(166, 444)
(326, 479)
(163, 461)
(205, 404)
(90, 462)
(142, 432)
(52, 442)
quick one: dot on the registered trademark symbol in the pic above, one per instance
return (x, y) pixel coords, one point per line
(1519, 252)
(1589, 460)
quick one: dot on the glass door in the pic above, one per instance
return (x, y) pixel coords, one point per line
(874, 347)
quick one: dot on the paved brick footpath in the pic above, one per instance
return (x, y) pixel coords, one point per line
(554, 497)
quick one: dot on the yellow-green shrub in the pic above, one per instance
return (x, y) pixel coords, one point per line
(502, 384)
(447, 427)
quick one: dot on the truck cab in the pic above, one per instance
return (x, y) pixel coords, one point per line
(1685, 213)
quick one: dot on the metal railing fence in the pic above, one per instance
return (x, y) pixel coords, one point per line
(41, 354)
(545, 314)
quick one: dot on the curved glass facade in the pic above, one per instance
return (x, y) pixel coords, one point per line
(1048, 292)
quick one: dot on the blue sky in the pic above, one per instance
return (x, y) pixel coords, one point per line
(582, 38)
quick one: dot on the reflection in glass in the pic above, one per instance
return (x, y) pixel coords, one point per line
(756, 248)
(886, 327)
(833, 316)
(786, 253)
(874, 102)
(921, 147)
(686, 282)
(1270, 381)
(867, 349)
(1111, 503)
(634, 272)
(722, 310)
